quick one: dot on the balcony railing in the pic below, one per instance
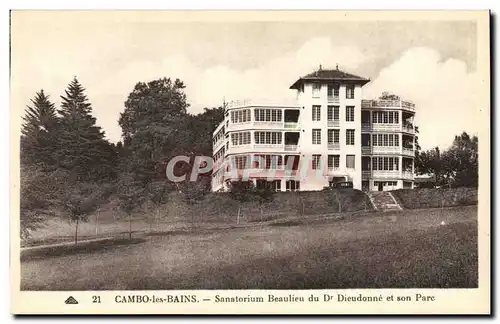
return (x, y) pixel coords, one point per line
(291, 125)
(333, 99)
(385, 127)
(408, 175)
(334, 146)
(386, 174)
(386, 149)
(278, 146)
(366, 150)
(366, 174)
(333, 123)
(388, 104)
(366, 127)
(291, 147)
(408, 151)
(408, 129)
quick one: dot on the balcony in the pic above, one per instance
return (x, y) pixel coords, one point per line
(366, 127)
(333, 123)
(408, 129)
(291, 147)
(408, 175)
(395, 174)
(386, 150)
(385, 127)
(366, 150)
(408, 151)
(388, 104)
(334, 146)
(333, 99)
(291, 125)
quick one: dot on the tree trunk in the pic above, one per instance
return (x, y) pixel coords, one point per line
(76, 231)
(97, 222)
(130, 227)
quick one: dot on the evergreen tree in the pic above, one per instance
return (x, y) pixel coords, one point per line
(82, 147)
(38, 132)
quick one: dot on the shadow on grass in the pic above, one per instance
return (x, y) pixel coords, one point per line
(83, 247)
(442, 257)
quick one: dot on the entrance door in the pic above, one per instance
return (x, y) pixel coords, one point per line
(380, 186)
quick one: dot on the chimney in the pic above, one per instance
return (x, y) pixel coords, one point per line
(337, 67)
(320, 67)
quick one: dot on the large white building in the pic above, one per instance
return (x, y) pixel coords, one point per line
(331, 136)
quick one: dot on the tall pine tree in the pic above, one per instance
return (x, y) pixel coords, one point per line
(38, 132)
(82, 147)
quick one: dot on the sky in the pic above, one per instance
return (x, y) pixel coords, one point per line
(431, 63)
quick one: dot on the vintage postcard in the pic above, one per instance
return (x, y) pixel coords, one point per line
(250, 162)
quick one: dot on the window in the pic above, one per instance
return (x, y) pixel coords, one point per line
(374, 140)
(316, 136)
(396, 140)
(316, 162)
(349, 136)
(333, 161)
(350, 161)
(396, 117)
(333, 113)
(349, 92)
(316, 113)
(329, 113)
(241, 116)
(268, 161)
(385, 163)
(240, 162)
(268, 137)
(349, 113)
(267, 115)
(274, 185)
(292, 185)
(333, 90)
(330, 136)
(241, 138)
(386, 140)
(333, 136)
(391, 117)
(316, 87)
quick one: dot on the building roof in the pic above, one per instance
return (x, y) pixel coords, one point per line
(330, 75)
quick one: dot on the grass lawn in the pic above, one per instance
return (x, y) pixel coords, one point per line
(391, 250)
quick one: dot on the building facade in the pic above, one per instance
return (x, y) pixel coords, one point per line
(331, 136)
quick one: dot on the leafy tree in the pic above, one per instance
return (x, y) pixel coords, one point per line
(131, 197)
(38, 131)
(39, 196)
(462, 160)
(79, 200)
(338, 197)
(457, 166)
(82, 148)
(153, 118)
(158, 195)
